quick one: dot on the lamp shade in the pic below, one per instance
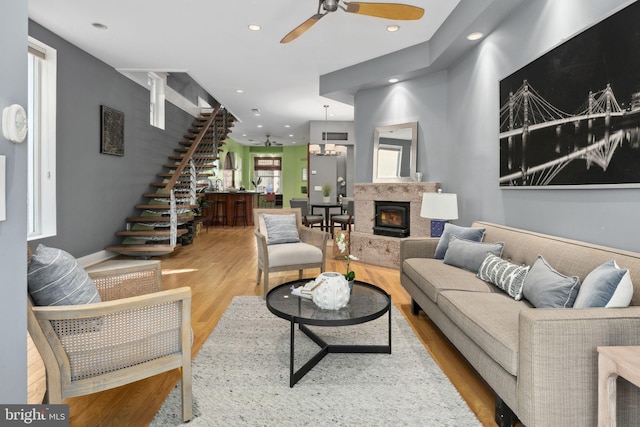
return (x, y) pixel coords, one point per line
(314, 148)
(439, 206)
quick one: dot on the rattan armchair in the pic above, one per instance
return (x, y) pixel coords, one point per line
(137, 331)
(310, 252)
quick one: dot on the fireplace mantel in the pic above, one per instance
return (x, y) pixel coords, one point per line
(383, 250)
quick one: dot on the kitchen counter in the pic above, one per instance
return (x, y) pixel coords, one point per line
(230, 197)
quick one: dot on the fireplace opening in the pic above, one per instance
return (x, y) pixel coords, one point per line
(392, 218)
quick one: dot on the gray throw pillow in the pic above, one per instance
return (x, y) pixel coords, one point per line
(474, 234)
(281, 229)
(606, 286)
(468, 254)
(55, 278)
(544, 287)
(507, 276)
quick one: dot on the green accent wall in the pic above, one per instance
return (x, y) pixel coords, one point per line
(294, 159)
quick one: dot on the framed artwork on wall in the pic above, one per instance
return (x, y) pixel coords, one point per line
(112, 131)
(571, 118)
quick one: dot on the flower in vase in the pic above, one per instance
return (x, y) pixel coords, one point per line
(343, 247)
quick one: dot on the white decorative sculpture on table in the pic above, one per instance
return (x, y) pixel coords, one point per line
(333, 293)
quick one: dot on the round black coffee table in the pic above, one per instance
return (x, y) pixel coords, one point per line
(367, 302)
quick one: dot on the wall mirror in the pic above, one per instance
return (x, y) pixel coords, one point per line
(395, 152)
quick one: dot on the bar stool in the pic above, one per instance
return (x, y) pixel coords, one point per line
(240, 211)
(219, 212)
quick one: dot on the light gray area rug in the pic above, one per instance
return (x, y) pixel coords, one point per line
(241, 377)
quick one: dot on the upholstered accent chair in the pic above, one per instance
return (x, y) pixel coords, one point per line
(346, 220)
(308, 220)
(136, 331)
(285, 244)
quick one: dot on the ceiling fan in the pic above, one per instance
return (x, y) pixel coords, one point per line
(268, 142)
(394, 11)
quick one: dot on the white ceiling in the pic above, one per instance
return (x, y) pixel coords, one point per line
(210, 40)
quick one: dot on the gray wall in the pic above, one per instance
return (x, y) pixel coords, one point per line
(13, 231)
(458, 112)
(96, 192)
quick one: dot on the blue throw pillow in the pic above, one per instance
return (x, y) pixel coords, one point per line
(474, 234)
(606, 286)
(470, 255)
(544, 287)
(281, 229)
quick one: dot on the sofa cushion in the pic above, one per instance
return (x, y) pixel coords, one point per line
(298, 253)
(468, 254)
(490, 320)
(55, 278)
(507, 276)
(606, 286)
(433, 276)
(474, 234)
(544, 287)
(281, 229)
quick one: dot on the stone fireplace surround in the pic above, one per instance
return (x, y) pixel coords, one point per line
(384, 250)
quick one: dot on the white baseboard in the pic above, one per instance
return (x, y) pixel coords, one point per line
(95, 258)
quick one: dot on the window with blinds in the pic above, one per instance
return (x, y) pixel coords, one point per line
(270, 170)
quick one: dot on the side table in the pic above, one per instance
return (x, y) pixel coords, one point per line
(615, 361)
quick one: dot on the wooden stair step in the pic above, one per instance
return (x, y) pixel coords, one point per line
(198, 166)
(143, 251)
(144, 219)
(195, 157)
(185, 174)
(161, 206)
(179, 232)
(178, 184)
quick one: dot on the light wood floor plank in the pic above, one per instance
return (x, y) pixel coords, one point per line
(220, 264)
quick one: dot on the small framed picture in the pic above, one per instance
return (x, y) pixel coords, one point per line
(112, 137)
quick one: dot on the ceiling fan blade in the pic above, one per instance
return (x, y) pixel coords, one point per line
(300, 29)
(394, 11)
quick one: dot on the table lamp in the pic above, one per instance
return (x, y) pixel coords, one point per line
(439, 207)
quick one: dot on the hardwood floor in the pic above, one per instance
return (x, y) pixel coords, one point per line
(219, 265)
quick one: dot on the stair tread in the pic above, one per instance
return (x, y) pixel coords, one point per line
(163, 206)
(179, 232)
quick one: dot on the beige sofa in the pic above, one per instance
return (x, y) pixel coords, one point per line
(541, 363)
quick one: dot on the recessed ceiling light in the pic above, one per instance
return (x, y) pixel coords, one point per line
(293, 142)
(394, 80)
(259, 126)
(475, 36)
(239, 91)
(291, 136)
(287, 126)
(255, 27)
(99, 26)
(393, 28)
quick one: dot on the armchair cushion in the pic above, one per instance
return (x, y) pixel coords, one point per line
(281, 229)
(294, 253)
(55, 278)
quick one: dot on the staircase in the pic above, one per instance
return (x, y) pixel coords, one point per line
(166, 219)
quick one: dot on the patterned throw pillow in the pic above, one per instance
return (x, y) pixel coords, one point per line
(281, 229)
(55, 278)
(507, 276)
